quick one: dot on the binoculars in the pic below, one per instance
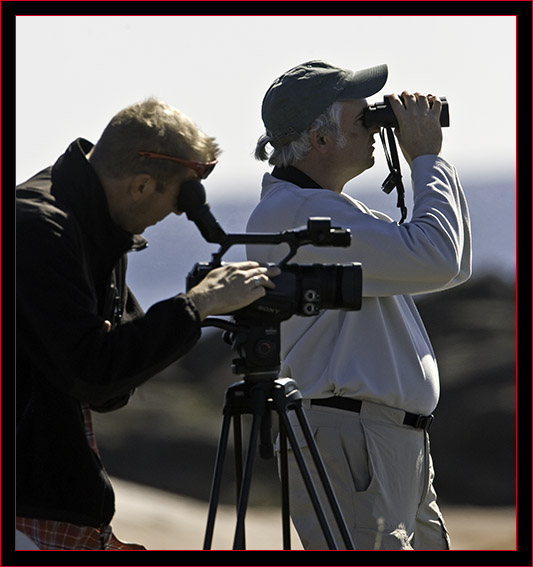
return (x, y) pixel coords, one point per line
(381, 115)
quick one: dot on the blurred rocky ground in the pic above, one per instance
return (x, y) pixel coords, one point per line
(167, 436)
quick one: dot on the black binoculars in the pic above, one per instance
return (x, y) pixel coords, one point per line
(381, 115)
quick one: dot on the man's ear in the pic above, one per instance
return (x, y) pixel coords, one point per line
(141, 186)
(319, 141)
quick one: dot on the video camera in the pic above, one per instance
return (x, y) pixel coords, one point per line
(300, 289)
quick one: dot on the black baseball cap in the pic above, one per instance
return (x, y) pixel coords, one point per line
(300, 95)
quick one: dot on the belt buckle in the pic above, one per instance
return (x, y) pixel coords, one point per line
(424, 422)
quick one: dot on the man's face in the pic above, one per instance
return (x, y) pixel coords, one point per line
(159, 206)
(356, 155)
(156, 205)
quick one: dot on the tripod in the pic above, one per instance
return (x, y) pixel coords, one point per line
(260, 392)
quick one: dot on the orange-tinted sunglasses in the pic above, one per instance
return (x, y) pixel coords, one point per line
(202, 169)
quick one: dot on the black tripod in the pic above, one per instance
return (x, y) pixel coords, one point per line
(260, 392)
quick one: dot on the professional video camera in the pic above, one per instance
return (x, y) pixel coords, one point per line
(300, 289)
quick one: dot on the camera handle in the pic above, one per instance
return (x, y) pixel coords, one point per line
(394, 179)
(319, 232)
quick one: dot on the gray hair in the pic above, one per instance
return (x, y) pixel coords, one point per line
(327, 123)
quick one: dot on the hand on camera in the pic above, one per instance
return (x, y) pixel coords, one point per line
(419, 132)
(232, 287)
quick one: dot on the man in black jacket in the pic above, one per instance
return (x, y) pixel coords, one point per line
(83, 342)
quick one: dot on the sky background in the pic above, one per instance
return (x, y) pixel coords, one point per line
(73, 73)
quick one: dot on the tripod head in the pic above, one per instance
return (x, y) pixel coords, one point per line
(257, 343)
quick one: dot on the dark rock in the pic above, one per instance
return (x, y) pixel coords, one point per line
(472, 328)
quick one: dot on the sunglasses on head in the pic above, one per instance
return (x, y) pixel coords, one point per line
(202, 169)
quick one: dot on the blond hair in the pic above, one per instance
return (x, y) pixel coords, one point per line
(151, 126)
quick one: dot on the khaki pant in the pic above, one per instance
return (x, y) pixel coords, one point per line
(381, 473)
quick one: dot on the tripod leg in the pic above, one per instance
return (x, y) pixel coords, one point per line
(238, 542)
(308, 481)
(284, 477)
(319, 464)
(217, 479)
(237, 443)
(239, 475)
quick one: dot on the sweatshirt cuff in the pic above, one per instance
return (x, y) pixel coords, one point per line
(429, 161)
(189, 307)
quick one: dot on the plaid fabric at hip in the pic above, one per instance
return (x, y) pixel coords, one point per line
(50, 535)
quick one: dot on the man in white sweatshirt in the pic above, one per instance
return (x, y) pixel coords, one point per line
(369, 378)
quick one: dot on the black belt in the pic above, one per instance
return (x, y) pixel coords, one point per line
(417, 421)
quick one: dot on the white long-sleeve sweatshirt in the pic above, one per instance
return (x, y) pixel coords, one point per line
(381, 353)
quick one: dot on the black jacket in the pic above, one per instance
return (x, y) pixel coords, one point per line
(70, 273)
